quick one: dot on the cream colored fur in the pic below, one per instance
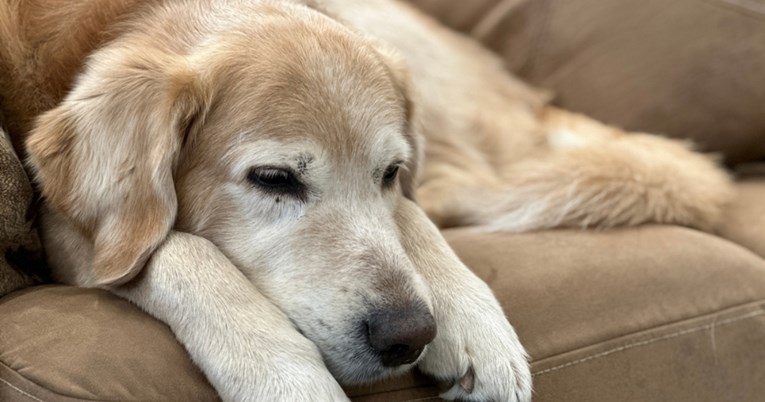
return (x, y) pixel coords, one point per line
(497, 156)
(144, 155)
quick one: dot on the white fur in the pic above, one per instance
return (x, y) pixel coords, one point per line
(473, 332)
(270, 293)
(246, 346)
(563, 138)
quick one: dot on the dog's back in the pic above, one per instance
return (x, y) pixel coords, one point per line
(496, 156)
(492, 155)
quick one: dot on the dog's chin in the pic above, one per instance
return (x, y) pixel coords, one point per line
(363, 367)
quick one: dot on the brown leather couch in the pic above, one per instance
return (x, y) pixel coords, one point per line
(656, 313)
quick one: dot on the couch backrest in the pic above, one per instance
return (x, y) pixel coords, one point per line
(677, 68)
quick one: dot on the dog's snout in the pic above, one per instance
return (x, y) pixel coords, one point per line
(400, 335)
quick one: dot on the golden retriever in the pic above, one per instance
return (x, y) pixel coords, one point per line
(245, 172)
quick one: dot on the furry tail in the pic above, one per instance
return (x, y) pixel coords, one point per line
(596, 176)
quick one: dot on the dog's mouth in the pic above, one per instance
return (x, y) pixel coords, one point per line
(365, 367)
(363, 360)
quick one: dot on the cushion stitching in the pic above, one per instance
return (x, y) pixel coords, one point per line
(747, 7)
(650, 341)
(493, 17)
(22, 392)
(536, 42)
(760, 303)
(42, 386)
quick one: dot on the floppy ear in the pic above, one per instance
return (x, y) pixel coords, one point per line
(104, 158)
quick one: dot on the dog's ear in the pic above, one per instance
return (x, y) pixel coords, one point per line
(412, 132)
(104, 158)
(408, 175)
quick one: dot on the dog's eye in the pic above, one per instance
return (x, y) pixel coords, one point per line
(390, 175)
(277, 180)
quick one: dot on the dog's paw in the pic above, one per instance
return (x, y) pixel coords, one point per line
(286, 367)
(478, 356)
(303, 378)
(303, 383)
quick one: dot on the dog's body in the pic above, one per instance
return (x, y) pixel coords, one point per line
(276, 132)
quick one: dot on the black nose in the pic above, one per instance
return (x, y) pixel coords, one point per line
(399, 335)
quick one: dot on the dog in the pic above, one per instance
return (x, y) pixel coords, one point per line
(246, 172)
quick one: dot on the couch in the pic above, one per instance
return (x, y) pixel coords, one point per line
(654, 313)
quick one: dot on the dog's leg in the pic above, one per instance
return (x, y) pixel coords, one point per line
(592, 175)
(476, 350)
(599, 176)
(246, 346)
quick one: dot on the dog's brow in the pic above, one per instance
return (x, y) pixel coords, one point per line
(393, 141)
(244, 156)
(303, 161)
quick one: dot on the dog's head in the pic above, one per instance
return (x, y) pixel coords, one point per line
(277, 134)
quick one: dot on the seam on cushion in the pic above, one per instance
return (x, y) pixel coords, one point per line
(650, 341)
(429, 398)
(657, 326)
(537, 41)
(747, 6)
(48, 388)
(21, 391)
(744, 9)
(493, 17)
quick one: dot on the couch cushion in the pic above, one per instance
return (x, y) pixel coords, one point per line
(654, 313)
(744, 221)
(567, 290)
(628, 315)
(685, 68)
(64, 343)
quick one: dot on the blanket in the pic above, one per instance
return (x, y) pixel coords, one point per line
(21, 257)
